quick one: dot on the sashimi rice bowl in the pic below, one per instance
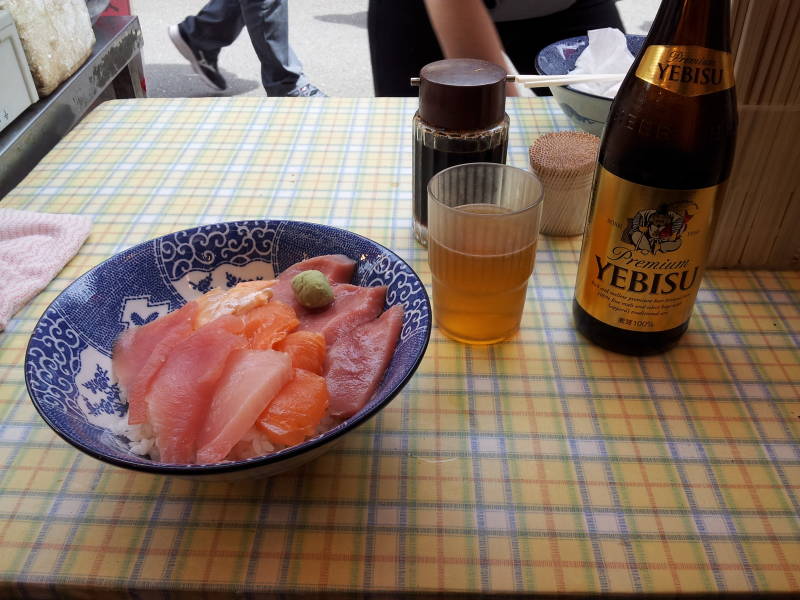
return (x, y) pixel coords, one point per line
(232, 349)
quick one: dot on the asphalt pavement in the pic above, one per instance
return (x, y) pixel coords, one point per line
(329, 37)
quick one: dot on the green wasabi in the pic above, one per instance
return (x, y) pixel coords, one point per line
(312, 290)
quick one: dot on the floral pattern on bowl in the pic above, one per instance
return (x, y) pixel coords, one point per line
(68, 362)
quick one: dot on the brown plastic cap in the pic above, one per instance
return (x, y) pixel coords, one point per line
(462, 93)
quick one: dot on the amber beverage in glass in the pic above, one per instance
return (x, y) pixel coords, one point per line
(483, 223)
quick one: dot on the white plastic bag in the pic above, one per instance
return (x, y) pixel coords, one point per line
(57, 37)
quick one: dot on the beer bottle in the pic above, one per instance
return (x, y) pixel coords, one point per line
(666, 153)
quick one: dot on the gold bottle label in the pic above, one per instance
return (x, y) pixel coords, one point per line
(644, 252)
(687, 70)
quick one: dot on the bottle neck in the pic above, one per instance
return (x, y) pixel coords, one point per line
(692, 23)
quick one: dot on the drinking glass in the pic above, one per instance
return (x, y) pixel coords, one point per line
(483, 226)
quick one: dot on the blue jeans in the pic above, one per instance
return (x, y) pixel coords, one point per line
(220, 22)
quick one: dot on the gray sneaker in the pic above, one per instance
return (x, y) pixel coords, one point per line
(207, 69)
(308, 91)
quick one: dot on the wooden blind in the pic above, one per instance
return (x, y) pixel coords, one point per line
(759, 224)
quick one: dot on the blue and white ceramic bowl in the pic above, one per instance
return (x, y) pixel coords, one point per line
(586, 111)
(68, 363)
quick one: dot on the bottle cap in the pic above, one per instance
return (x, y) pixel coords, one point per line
(462, 93)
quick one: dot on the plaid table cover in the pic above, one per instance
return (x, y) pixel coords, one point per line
(543, 464)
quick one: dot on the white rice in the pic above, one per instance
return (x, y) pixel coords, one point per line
(254, 443)
(142, 441)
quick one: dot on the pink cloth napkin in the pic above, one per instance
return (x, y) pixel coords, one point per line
(34, 247)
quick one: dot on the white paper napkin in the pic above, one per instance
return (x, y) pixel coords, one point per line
(607, 52)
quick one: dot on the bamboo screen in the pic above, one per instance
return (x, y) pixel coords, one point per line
(759, 224)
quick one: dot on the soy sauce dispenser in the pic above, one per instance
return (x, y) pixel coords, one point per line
(461, 119)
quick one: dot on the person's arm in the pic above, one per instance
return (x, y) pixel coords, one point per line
(465, 29)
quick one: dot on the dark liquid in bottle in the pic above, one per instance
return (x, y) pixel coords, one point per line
(664, 139)
(430, 162)
(437, 149)
(622, 341)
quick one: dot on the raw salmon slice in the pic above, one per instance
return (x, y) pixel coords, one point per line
(297, 410)
(139, 353)
(267, 325)
(252, 379)
(237, 300)
(181, 392)
(352, 306)
(356, 362)
(306, 349)
(336, 267)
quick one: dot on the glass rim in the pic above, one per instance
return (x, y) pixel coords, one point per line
(497, 166)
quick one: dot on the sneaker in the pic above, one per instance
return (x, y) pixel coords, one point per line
(307, 91)
(207, 69)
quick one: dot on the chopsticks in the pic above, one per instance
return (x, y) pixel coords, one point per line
(530, 81)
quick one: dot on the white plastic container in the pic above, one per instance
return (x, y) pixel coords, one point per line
(18, 91)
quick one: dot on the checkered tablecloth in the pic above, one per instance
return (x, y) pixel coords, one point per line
(542, 464)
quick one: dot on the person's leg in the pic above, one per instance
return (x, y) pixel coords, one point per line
(217, 25)
(401, 42)
(199, 38)
(267, 23)
(524, 39)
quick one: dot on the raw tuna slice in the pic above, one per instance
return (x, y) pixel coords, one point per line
(181, 392)
(352, 306)
(139, 354)
(336, 267)
(252, 379)
(306, 349)
(297, 410)
(356, 363)
(267, 325)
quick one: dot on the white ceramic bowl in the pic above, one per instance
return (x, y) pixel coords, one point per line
(586, 111)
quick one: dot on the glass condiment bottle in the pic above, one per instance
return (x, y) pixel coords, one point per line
(666, 154)
(461, 119)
